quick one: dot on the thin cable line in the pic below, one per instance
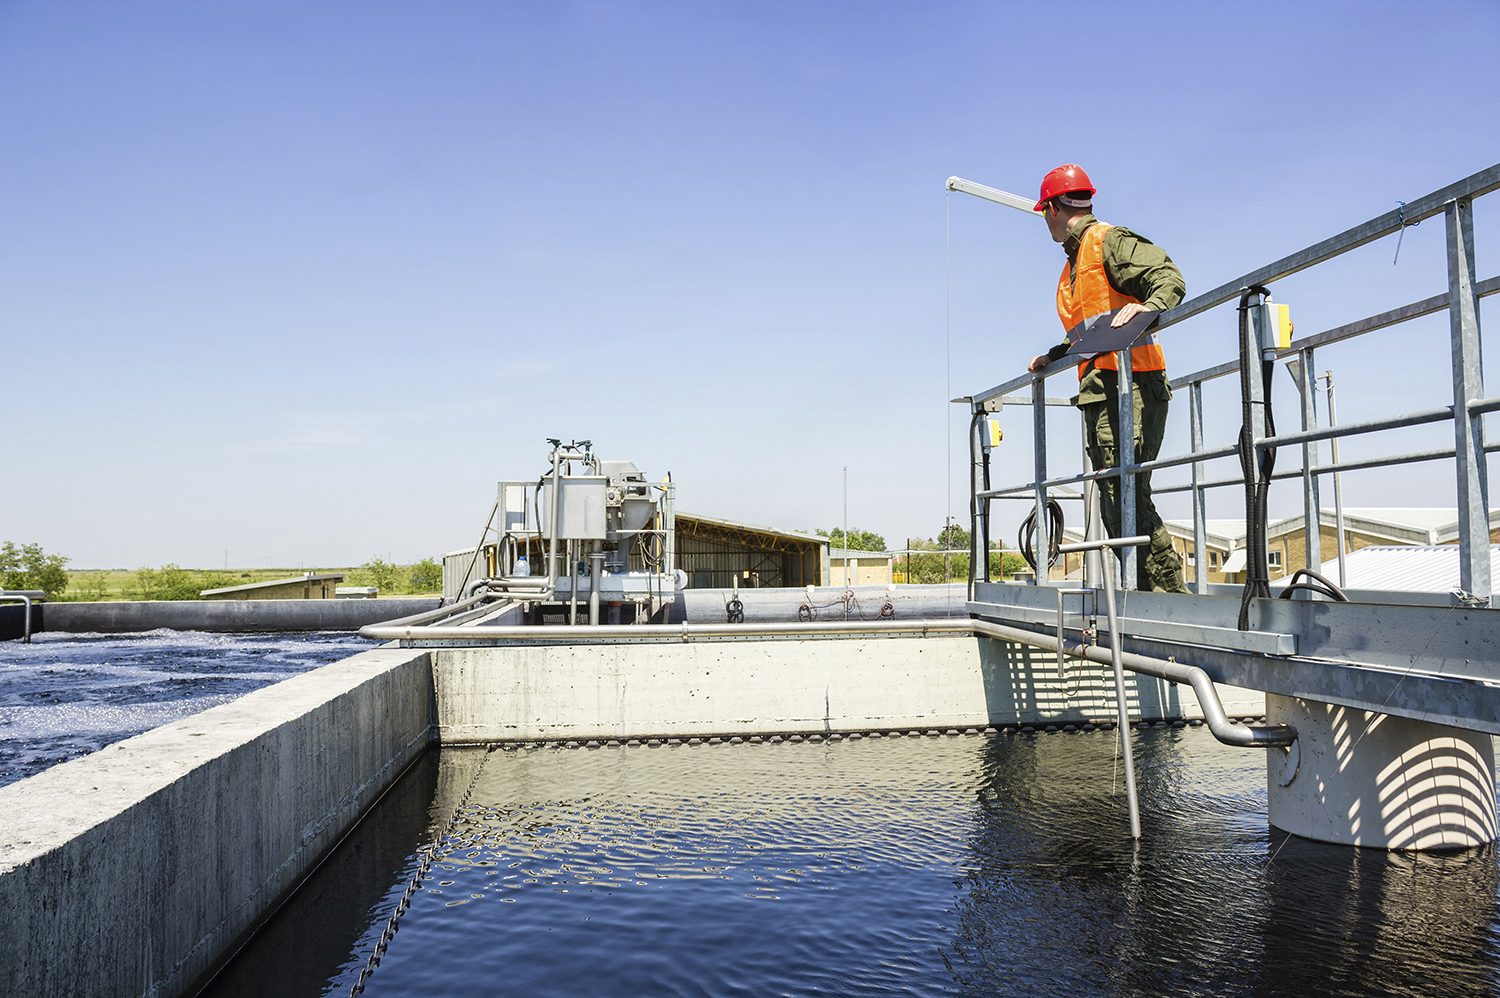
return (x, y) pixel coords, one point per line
(948, 365)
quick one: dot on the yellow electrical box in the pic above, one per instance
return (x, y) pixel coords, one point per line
(996, 435)
(1281, 324)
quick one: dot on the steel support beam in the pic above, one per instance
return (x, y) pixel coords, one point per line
(1039, 448)
(1125, 450)
(1200, 498)
(1312, 531)
(1468, 386)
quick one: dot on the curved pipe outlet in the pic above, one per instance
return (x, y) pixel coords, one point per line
(1279, 735)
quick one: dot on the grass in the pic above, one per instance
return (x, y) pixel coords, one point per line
(121, 583)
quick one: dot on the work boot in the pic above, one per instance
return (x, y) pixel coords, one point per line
(1160, 570)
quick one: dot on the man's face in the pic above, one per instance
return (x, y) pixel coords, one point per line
(1057, 225)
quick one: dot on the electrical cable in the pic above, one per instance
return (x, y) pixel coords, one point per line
(1257, 469)
(1026, 536)
(1319, 585)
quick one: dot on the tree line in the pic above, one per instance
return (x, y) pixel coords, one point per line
(29, 567)
(926, 563)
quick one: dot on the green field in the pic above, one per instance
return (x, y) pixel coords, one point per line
(126, 584)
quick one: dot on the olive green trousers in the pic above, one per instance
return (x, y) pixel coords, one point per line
(1160, 570)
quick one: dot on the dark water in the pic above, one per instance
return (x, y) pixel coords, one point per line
(970, 865)
(66, 695)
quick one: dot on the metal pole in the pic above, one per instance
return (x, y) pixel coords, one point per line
(1468, 385)
(979, 562)
(1200, 496)
(1312, 517)
(1093, 527)
(1252, 356)
(596, 573)
(1039, 456)
(1115, 640)
(847, 583)
(1338, 485)
(572, 585)
(1125, 447)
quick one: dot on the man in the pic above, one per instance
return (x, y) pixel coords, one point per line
(1111, 271)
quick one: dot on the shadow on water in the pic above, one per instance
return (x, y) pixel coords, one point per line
(315, 943)
(1210, 902)
(963, 866)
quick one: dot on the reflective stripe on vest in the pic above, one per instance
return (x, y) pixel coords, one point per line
(1090, 296)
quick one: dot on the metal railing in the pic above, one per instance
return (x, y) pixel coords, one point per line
(1466, 412)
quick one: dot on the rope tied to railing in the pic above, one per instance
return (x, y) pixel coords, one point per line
(1401, 232)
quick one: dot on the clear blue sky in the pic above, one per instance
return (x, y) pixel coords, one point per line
(301, 281)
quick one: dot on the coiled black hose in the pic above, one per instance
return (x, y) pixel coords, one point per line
(1026, 536)
(1319, 585)
(1257, 468)
(976, 521)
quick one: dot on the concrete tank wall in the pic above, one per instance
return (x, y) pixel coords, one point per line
(234, 616)
(765, 686)
(138, 869)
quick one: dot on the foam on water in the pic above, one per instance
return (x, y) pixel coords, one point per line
(65, 695)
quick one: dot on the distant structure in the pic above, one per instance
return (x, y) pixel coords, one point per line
(865, 568)
(1365, 526)
(306, 586)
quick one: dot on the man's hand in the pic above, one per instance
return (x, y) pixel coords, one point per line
(1124, 315)
(1037, 363)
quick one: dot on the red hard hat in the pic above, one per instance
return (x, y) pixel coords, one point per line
(1067, 179)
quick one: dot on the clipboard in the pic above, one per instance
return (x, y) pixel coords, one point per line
(1100, 337)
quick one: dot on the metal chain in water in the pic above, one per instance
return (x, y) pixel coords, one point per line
(429, 855)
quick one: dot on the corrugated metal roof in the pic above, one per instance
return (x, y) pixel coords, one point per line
(733, 525)
(854, 554)
(1412, 568)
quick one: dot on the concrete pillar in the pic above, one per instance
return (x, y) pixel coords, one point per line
(1360, 778)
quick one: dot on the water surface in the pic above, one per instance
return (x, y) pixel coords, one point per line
(66, 695)
(970, 865)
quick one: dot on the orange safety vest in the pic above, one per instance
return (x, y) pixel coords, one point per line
(1090, 294)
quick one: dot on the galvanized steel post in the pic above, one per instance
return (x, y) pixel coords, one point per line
(1200, 504)
(1039, 449)
(1311, 517)
(1468, 386)
(1125, 448)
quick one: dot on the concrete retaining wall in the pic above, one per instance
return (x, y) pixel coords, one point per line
(233, 616)
(138, 869)
(765, 686)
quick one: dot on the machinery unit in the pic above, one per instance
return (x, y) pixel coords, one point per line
(589, 539)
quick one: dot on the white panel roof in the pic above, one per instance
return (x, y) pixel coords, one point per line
(1421, 568)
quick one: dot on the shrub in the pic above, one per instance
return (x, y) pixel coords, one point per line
(170, 582)
(29, 567)
(426, 576)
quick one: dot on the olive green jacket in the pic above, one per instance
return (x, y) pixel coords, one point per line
(1134, 266)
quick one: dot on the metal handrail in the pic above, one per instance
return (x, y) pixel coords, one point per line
(1462, 298)
(22, 598)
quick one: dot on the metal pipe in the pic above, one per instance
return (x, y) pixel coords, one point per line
(1125, 451)
(572, 585)
(1338, 485)
(1363, 426)
(26, 627)
(552, 575)
(1039, 467)
(1121, 708)
(596, 574)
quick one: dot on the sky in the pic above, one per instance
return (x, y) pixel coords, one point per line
(295, 284)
